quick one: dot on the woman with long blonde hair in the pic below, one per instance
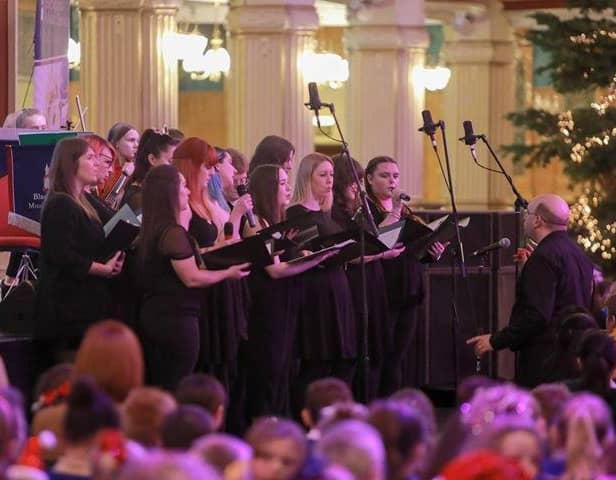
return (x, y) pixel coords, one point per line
(73, 288)
(326, 328)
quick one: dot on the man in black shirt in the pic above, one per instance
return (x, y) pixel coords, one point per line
(556, 275)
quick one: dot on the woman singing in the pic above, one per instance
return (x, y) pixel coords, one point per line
(404, 275)
(154, 149)
(172, 277)
(275, 302)
(327, 337)
(73, 289)
(346, 202)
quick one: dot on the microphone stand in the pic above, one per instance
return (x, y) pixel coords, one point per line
(520, 202)
(369, 223)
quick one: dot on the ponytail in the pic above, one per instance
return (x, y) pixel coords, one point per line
(583, 449)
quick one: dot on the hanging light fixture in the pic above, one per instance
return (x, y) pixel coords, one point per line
(435, 75)
(184, 45)
(216, 61)
(325, 68)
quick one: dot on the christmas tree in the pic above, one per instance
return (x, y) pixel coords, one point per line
(582, 53)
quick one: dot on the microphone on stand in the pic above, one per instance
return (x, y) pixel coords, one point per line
(502, 243)
(314, 101)
(470, 138)
(243, 190)
(429, 127)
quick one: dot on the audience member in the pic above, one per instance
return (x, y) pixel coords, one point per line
(143, 414)
(184, 425)
(205, 391)
(320, 394)
(229, 455)
(168, 466)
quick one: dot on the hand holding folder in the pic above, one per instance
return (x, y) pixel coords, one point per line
(250, 250)
(120, 232)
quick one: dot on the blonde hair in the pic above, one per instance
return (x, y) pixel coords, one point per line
(307, 166)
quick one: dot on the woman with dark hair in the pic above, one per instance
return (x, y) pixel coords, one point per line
(404, 275)
(597, 358)
(326, 329)
(273, 150)
(346, 202)
(73, 288)
(125, 139)
(172, 275)
(275, 299)
(155, 148)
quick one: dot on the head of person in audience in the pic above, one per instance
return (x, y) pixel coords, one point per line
(164, 201)
(125, 139)
(600, 295)
(240, 163)
(13, 427)
(315, 180)
(53, 386)
(545, 214)
(322, 393)
(196, 161)
(513, 438)
(552, 398)
(483, 464)
(570, 332)
(279, 448)
(105, 154)
(89, 410)
(31, 118)
(271, 193)
(469, 386)
(111, 354)
(155, 148)
(382, 178)
(610, 306)
(346, 191)
(184, 425)
(205, 391)
(419, 402)
(168, 466)
(230, 456)
(340, 412)
(73, 170)
(143, 414)
(273, 150)
(585, 430)
(404, 437)
(597, 360)
(356, 446)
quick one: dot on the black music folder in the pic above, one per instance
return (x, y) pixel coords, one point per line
(119, 238)
(419, 236)
(250, 250)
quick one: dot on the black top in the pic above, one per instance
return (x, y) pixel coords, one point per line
(403, 275)
(203, 231)
(556, 275)
(327, 324)
(68, 298)
(159, 278)
(105, 212)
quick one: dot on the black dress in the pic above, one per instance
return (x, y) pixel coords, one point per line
(366, 385)
(224, 327)
(404, 277)
(327, 340)
(169, 314)
(68, 298)
(557, 275)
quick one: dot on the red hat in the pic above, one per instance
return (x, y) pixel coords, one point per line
(483, 465)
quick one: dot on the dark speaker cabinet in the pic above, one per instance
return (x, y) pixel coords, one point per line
(483, 304)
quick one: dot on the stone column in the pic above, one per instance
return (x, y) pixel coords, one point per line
(386, 47)
(124, 74)
(266, 91)
(480, 52)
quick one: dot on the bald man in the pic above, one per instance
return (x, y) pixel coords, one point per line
(556, 275)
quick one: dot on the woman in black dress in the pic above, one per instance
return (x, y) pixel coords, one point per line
(403, 275)
(224, 306)
(172, 279)
(73, 288)
(326, 329)
(275, 295)
(346, 202)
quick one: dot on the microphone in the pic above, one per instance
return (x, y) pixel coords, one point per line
(314, 101)
(429, 128)
(404, 197)
(243, 190)
(469, 137)
(502, 243)
(228, 230)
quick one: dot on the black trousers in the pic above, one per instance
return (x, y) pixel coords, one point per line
(170, 345)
